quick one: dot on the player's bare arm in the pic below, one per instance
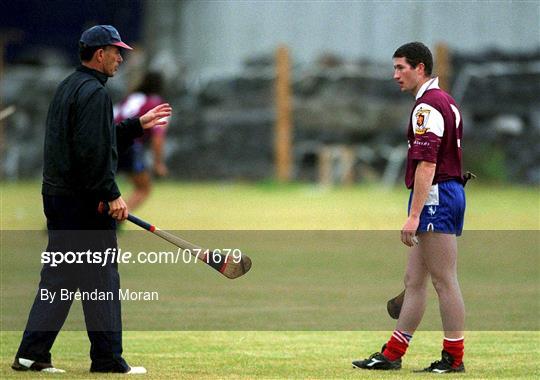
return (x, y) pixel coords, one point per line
(160, 169)
(156, 116)
(425, 171)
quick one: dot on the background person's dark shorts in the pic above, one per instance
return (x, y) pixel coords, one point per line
(132, 161)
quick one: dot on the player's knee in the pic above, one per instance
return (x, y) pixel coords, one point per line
(443, 283)
(143, 187)
(416, 283)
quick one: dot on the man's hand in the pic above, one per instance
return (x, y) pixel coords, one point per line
(408, 232)
(156, 116)
(423, 178)
(118, 209)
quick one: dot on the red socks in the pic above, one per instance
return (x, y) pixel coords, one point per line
(397, 345)
(399, 342)
(455, 348)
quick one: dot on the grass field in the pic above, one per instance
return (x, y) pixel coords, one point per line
(225, 206)
(300, 306)
(291, 355)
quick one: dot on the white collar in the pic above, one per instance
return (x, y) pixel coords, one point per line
(432, 83)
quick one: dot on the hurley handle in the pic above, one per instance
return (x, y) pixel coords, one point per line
(103, 208)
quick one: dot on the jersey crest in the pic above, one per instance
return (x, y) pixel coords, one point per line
(422, 115)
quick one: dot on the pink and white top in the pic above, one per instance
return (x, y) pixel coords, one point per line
(136, 105)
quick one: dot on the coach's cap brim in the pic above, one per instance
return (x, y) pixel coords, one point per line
(122, 45)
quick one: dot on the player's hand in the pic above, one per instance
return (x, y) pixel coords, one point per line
(156, 116)
(161, 169)
(408, 232)
(118, 209)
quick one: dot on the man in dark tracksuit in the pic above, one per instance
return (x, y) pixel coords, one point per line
(81, 151)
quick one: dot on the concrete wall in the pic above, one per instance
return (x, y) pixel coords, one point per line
(216, 36)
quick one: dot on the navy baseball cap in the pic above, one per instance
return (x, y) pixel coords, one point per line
(103, 35)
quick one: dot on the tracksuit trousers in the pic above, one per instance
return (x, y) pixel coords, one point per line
(75, 225)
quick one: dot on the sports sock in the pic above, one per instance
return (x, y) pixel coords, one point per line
(397, 345)
(454, 347)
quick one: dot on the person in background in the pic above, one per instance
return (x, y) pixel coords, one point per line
(132, 161)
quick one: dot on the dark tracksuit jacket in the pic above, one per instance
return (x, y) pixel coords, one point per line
(81, 141)
(81, 153)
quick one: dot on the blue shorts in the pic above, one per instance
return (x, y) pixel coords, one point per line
(444, 209)
(132, 160)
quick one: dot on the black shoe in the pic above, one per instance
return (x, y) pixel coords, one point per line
(117, 365)
(444, 365)
(377, 361)
(129, 371)
(21, 364)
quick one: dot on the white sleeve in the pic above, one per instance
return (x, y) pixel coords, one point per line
(425, 118)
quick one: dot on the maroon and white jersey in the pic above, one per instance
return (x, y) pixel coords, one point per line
(434, 134)
(136, 105)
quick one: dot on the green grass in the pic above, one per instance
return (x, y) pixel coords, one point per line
(297, 355)
(177, 205)
(305, 283)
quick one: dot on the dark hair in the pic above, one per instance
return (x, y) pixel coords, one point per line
(415, 53)
(151, 83)
(87, 52)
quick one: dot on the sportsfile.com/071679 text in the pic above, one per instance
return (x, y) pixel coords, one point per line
(113, 255)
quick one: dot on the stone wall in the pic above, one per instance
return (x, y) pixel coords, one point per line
(223, 128)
